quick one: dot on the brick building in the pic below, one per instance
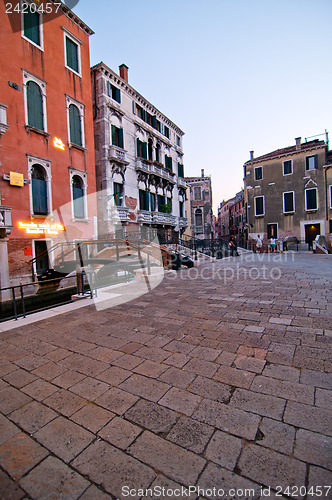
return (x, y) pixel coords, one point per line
(287, 192)
(223, 219)
(202, 225)
(237, 217)
(46, 129)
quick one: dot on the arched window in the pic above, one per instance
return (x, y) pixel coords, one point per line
(75, 129)
(39, 190)
(35, 106)
(78, 197)
(198, 217)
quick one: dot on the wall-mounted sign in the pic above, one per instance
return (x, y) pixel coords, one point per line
(57, 143)
(41, 228)
(16, 179)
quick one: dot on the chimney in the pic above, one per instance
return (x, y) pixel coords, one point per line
(298, 143)
(124, 72)
(202, 172)
(251, 155)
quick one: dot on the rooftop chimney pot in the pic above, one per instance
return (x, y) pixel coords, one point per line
(298, 143)
(251, 155)
(202, 172)
(124, 72)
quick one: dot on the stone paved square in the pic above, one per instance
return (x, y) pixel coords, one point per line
(204, 382)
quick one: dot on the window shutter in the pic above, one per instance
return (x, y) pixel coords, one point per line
(316, 161)
(154, 121)
(144, 150)
(137, 147)
(31, 21)
(39, 196)
(109, 89)
(113, 135)
(35, 106)
(72, 54)
(121, 138)
(117, 95)
(134, 107)
(75, 125)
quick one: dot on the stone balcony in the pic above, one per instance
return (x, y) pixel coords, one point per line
(145, 216)
(119, 214)
(181, 182)
(117, 154)
(155, 168)
(183, 222)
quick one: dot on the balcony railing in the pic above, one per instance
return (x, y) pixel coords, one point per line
(120, 213)
(154, 168)
(145, 216)
(182, 182)
(162, 218)
(5, 221)
(183, 222)
(118, 154)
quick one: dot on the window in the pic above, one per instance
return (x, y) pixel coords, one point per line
(35, 106)
(75, 129)
(143, 200)
(117, 136)
(32, 24)
(289, 204)
(152, 202)
(142, 149)
(258, 173)
(311, 162)
(114, 92)
(166, 132)
(72, 53)
(78, 197)
(259, 205)
(180, 170)
(197, 193)
(311, 199)
(161, 202)
(181, 208)
(330, 225)
(158, 152)
(39, 190)
(198, 217)
(168, 163)
(118, 194)
(178, 141)
(140, 112)
(288, 167)
(272, 230)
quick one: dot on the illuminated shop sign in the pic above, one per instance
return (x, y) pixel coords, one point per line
(57, 143)
(41, 228)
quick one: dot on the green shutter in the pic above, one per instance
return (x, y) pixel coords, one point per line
(134, 107)
(35, 106)
(144, 150)
(31, 22)
(137, 147)
(117, 95)
(154, 121)
(121, 138)
(114, 135)
(75, 125)
(316, 161)
(72, 54)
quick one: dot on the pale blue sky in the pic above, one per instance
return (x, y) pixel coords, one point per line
(234, 75)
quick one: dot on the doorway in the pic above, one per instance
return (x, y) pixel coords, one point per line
(42, 264)
(272, 231)
(311, 231)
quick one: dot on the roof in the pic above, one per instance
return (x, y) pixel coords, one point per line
(306, 146)
(69, 13)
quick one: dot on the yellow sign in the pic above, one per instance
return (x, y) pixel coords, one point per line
(41, 228)
(16, 179)
(57, 143)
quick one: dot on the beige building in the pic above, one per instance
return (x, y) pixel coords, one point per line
(200, 207)
(288, 192)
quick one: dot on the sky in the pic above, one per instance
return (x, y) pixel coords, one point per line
(234, 75)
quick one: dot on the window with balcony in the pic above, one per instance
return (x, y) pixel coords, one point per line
(180, 170)
(168, 163)
(118, 194)
(143, 200)
(311, 162)
(287, 167)
(117, 136)
(198, 217)
(289, 202)
(142, 149)
(311, 202)
(161, 202)
(258, 173)
(32, 24)
(259, 206)
(152, 202)
(113, 92)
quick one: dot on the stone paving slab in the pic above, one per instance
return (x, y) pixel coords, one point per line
(213, 380)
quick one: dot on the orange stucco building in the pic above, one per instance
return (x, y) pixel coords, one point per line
(46, 132)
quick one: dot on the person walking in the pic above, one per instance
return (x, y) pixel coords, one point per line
(259, 244)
